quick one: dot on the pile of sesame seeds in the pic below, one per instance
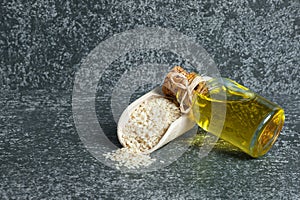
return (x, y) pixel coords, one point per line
(146, 126)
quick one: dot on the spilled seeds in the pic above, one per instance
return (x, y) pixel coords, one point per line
(144, 129)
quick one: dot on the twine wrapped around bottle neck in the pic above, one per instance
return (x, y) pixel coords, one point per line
(182, 85)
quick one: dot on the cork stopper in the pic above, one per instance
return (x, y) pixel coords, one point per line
(182, 85)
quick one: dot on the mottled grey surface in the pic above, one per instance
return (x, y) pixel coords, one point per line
(42, 45)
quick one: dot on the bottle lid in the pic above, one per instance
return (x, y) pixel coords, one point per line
(182, 85)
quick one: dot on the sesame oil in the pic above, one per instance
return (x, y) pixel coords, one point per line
(249, 121)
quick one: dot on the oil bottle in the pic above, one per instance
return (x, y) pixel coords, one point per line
(229, 110)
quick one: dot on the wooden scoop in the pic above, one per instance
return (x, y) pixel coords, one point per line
(176, 129)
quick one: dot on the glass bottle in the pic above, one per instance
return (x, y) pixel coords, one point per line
(244, 118)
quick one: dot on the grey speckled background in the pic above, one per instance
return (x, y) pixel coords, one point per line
(42, 45)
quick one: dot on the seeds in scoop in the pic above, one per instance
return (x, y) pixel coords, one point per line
(144, 129)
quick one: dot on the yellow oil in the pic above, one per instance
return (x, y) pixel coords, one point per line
(245, 119)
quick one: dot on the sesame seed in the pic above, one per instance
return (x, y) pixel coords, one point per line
(146, 126)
